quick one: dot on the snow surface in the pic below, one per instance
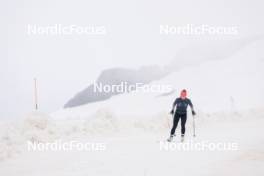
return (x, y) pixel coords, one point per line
(134, 149)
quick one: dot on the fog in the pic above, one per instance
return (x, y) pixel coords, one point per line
(65, 64)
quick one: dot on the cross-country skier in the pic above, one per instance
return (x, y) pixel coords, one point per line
(181, 105)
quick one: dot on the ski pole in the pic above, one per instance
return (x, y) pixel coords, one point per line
(193, 127)
(168, 122)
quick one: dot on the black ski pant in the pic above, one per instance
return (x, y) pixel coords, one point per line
(176, 119)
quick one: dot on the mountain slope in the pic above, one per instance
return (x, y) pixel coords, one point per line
(230, 84)
(195, 54)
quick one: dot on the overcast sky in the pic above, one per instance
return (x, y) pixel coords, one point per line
(68, 63)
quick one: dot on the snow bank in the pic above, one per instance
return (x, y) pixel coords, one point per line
(41, 128)
(35, 127)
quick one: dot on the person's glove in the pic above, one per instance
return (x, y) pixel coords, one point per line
(172, 112)
(193, 112)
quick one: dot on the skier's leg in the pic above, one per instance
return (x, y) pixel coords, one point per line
(175, 123)
(183, 122)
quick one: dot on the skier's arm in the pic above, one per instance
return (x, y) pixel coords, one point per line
(191, 105)
(173, 106)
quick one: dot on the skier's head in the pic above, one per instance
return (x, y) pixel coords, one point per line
(183, 94)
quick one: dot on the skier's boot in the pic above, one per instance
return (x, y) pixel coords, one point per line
(182, 138)
(170, 138)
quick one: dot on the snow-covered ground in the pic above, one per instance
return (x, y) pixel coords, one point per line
(136, 149)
